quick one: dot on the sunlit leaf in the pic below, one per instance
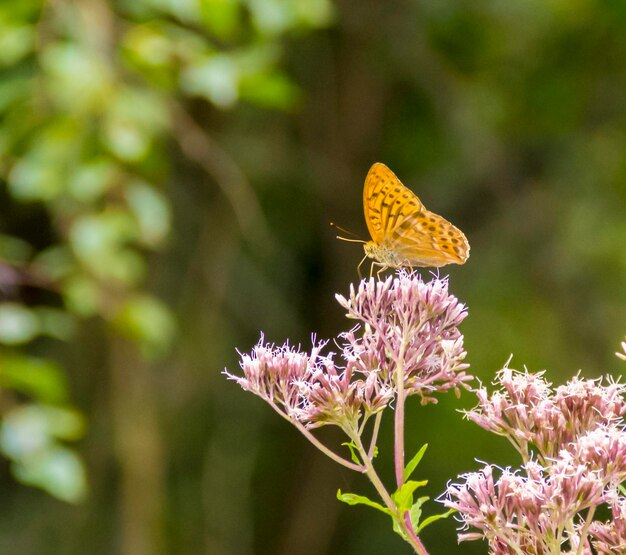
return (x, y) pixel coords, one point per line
(353, 452)
(57, 470)
(432, 519)
(134, 118)
(403, 497)
(39, 378)
(99, 241)
(221, 17)
(354, 499)
(29, 428)
(34, 178)
(82, 295)
(270, 90)
(151, 210)
(15, 42)
(79, 79)
(18, 324)
(412, 464)
(215, 78)
(91, 179)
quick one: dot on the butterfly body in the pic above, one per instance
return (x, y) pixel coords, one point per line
(403, 231)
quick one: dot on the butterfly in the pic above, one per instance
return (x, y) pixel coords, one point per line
(403, 231)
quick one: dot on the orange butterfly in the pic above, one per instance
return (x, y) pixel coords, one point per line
(403, 231)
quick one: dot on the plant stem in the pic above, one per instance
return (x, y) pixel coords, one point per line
(399, 417)
(404, 521)
(583, 533)
(374, 439)
(328, 452)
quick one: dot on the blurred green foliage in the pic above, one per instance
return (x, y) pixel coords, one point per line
(167, 173)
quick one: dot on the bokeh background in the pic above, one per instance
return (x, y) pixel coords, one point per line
(168, 171)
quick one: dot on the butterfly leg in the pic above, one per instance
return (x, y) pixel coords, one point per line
(358, 268)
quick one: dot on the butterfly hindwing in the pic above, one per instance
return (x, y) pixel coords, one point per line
(429, 240)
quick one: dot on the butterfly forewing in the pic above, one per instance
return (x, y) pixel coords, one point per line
(403, 232)
(386, 202)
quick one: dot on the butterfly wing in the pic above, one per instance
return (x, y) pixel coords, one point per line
(428, 240)
(386, 202)
(400, 224)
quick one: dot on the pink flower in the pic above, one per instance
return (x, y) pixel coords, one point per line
(525, 512)
(576, 434)
(275, 374)
(309, 388)
(405, 323)
(609, 538)
(410, 324)
(528, 412)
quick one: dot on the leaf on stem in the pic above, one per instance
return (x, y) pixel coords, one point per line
(403, 496)
(415, 512)
(354, 499)
(412, 464)
(353, 452)
(431, 519)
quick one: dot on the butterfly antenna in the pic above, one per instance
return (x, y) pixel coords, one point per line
(335, 226)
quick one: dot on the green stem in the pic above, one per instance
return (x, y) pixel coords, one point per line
(583, 532)
(370, 451)
(403, 520)
(328, 452)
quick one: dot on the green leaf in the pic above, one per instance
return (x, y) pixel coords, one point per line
(412, 465)
(397, 529)
(353, 452)
(151, 210)
(354, 499)
(37, 377)
(18, 324)
(221, 17)
(15, 43)
(270, 90)
(415, 512)
(14, 249)
(91, 179)
(55, 323)
(57, 470)
(78, 79)
(432, 519)
(403, 497)
(99, 241)
(216, 78)
(82, 295)
(147, 321)
(134, 119)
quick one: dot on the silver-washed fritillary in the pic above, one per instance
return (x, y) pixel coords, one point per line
(403, 231)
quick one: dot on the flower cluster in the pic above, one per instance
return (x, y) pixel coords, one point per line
(309, 388)
(405, 323)
(529, 414)
(411, 325)
(574, 457)
(610, 537)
